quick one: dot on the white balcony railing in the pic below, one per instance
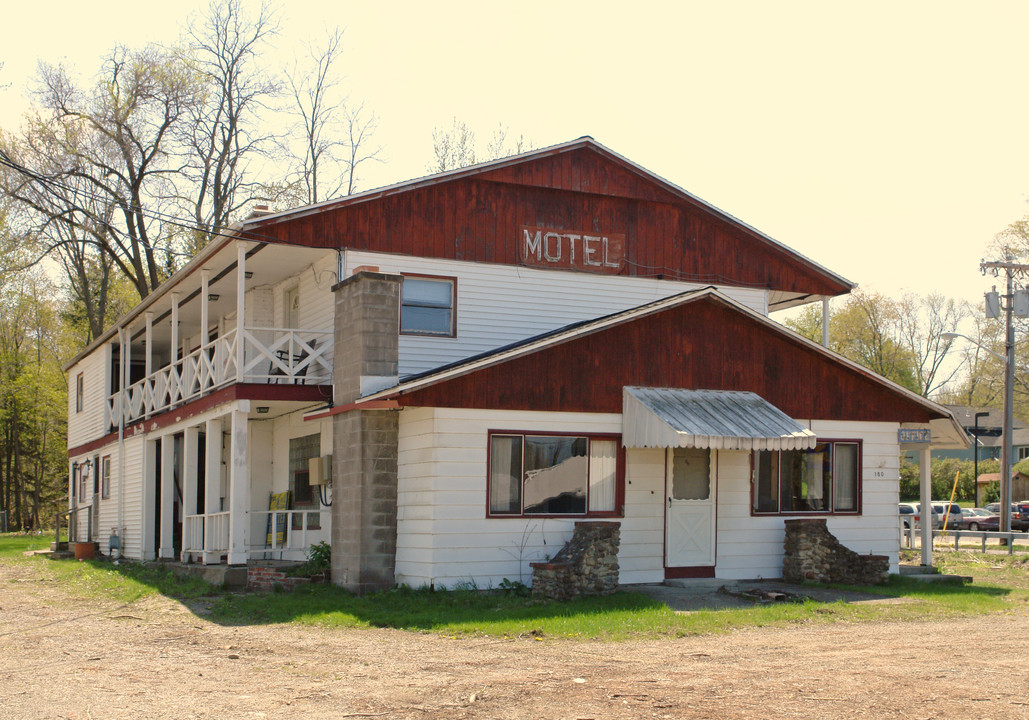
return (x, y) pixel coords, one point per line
(270, 355)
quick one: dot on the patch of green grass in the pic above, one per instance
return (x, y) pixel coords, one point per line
(1001, 585)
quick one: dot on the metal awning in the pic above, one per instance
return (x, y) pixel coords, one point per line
(715, 419)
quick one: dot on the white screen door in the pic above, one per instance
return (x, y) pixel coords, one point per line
(690, 508)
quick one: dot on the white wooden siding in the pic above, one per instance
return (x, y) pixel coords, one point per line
(750, 547)
(89, 424)
(445, 539)
(443, 535)
(501, 304)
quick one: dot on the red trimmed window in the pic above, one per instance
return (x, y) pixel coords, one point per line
(549, 474)
(80, 392)
(105, 476)
(824, 480)
(428, 306)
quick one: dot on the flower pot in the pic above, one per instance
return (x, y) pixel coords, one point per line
(85, 550)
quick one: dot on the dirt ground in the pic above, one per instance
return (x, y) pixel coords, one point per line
(63, 658)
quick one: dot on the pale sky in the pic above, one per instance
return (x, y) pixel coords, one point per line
(887, 141)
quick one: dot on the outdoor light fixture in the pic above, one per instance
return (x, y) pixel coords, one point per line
(248, 274)
(213, 297)
(263, 410)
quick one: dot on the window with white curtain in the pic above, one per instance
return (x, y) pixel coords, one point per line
(537, 474)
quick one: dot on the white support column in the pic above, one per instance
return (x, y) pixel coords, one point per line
(212, 486)
(149, 364)
(239, 486)
(167, 499)
(126, 373)
(205, 286)
(150, 500)
(925, 485)
(174, 395)
(190, 461)
(241, 292)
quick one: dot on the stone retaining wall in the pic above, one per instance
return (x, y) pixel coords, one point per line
(813, 554)
(587, 565)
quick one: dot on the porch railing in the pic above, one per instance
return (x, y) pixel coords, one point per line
(206, 533)
(270, 355)
(285, 529)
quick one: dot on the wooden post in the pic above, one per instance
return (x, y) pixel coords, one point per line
(190, 460)
(925, 483)
(167, 500)
(239, 485)
(241, 280)
(149, 366)
(212, 486)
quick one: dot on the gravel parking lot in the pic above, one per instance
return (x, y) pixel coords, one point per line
(67, 658)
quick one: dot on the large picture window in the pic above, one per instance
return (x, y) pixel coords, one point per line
(427, 306)
(823, 480)
(534, 475)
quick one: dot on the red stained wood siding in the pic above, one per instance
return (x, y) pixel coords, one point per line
(479, 218)
(705, 344)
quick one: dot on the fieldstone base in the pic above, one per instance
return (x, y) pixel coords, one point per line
(813, 554)
(587, 565)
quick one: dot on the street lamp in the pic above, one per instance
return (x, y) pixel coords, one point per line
(1009, 413)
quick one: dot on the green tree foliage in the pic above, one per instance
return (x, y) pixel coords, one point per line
(33, 393)
(942, 474)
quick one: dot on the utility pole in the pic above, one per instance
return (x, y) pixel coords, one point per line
(1020, 306)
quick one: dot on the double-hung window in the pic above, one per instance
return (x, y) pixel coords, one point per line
(105, 476)
(428, 306)
(550, 474)
(824, 480)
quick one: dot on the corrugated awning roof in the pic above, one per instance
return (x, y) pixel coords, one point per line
(715, 419)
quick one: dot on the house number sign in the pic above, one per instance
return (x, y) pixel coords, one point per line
(564, 250)
(914, 435)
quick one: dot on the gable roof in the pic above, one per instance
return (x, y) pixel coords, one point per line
(706, 323)
(615, 177)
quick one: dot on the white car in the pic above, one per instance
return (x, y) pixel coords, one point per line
(913, 512)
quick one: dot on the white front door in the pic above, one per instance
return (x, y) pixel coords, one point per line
(690, 508)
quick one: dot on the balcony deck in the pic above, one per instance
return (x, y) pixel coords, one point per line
(269, 355)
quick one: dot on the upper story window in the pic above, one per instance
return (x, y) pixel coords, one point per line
(533, 475)
(428, 306)
(80, 392)
(825, 480)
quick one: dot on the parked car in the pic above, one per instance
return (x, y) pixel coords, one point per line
(979, 519)
(950, 515)
(1019, 514)
(913, 512)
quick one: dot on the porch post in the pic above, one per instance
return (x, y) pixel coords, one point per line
(239, 486)
(149, 500)
(241, 281)
(212, 486)
(174, 396)
(190, 459)
(167, 551)
(205, 278)
(148, 360)
(926, 486)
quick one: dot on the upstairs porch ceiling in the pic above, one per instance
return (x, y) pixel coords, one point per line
(267, 264)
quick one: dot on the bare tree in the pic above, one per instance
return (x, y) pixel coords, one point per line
(334, 136)
(223, 134)
(454, 147)
(921, 322)
(106, 158)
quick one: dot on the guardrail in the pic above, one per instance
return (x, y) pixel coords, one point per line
(910, 533)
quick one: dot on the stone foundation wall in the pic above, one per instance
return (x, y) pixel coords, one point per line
(587, 565)
(813, 554)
